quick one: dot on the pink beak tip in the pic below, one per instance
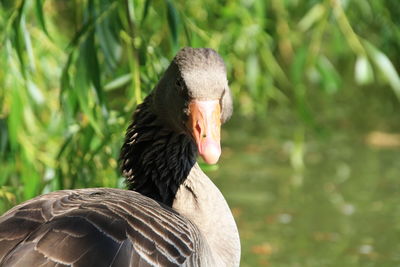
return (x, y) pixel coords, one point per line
(210, 152)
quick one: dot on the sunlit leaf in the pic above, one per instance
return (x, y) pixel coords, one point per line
(363, 71)
(27, 44)
(312, 17)
(118, 82)
(35, 92)
(385, 66)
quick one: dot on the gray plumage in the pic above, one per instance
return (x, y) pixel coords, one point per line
(172, 216)
(96, 227)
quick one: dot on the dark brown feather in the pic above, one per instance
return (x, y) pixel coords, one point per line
(95, 227)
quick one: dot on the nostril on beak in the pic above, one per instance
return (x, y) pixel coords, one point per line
(198, 128)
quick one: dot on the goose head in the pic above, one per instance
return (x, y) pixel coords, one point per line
(179, 120)
(193, 97)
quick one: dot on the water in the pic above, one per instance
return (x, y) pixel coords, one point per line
(341, 209)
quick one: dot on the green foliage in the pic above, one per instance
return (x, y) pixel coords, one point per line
(73, 71)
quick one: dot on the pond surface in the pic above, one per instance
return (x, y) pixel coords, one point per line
(340, 206)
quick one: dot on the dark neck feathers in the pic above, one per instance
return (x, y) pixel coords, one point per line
(155, 160)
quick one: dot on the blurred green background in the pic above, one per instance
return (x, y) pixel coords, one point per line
(310, 161)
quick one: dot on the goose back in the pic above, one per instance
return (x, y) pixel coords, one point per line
(98, 227)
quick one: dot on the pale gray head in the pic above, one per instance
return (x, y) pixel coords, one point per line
(194, 74)
(203, 72)
(193, 96)
(180, 119)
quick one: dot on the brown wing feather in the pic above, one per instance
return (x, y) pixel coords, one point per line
(96, 227)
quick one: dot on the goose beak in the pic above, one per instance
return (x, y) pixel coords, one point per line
(205, 126)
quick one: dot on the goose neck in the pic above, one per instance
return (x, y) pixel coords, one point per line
(199, 200)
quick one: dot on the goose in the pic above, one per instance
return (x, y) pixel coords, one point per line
(171, 215)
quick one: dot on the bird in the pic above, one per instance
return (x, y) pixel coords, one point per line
(170, 214)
